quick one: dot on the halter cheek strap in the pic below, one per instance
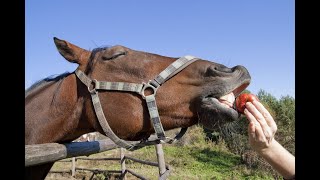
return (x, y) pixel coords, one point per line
(94, 85)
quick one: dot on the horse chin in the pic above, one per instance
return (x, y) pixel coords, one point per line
(213, 113)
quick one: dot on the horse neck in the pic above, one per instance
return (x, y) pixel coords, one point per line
(53, 112)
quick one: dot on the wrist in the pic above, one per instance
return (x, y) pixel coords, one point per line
(279, 158)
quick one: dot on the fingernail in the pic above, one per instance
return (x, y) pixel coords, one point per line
(245, 111)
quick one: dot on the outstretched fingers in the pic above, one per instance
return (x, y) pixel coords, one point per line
(256, 131)
(267, 116)
(258, 116)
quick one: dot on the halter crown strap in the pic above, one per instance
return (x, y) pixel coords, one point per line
(94, 85)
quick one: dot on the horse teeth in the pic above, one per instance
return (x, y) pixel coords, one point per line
(230, 98)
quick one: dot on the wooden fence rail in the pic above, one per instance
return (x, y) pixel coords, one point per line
(51, 152)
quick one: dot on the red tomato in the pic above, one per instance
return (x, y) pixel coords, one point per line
(242, 99)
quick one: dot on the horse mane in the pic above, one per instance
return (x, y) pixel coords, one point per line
(44, 82)
(56, 78)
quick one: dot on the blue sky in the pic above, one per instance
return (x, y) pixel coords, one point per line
(259, 35)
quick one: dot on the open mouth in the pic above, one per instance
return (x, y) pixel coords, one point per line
(224, 105)
(228, 100)
(216, 110)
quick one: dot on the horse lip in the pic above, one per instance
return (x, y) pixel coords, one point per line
(212, 100)
(240, 88)
(216, 108)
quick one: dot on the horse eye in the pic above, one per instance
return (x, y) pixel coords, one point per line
(114, 55)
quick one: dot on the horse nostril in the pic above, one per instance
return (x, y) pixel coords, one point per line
(218, 70)
(212, 71)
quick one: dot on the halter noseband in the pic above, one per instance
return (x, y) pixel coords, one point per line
(94, 85)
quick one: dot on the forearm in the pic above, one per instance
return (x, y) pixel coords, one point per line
(280, 159)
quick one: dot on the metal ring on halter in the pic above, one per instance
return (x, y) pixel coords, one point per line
(151, 85)
(167, 140)
(93, 82)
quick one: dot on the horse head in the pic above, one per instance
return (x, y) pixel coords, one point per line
(172, 92)
(203, 92)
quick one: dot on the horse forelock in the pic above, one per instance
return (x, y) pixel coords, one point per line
(92, 55)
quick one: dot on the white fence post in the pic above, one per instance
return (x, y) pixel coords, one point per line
(160, 157)
(73, 170)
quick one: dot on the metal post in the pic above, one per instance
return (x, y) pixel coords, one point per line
(123, 164)
(160, 157)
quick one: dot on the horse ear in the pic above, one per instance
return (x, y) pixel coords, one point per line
(71, 52)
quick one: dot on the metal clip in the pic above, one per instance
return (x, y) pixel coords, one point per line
(94, 82)
(151, 84)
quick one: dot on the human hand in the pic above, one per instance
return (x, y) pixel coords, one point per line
(262, 127)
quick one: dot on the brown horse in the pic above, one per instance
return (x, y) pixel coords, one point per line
(60, 109)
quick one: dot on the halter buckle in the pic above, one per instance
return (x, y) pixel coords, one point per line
(151, 84)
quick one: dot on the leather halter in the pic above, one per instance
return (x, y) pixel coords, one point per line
(94, 85)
